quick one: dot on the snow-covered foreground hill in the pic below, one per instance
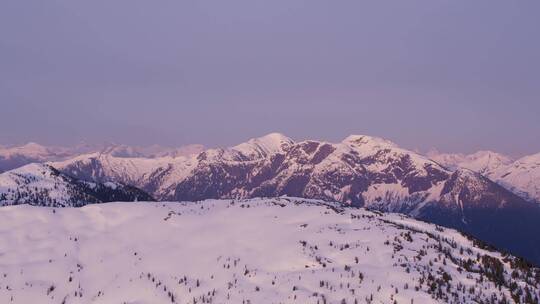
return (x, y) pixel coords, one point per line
(257, 251)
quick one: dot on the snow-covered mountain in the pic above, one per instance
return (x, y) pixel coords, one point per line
(17, 156)
(161, 175)
(359, 171)
(259, 163)
(14, 157)
(154, 151)
(483, 162)
(521, 176)
(258, 251)
(42, 185)
(265, 146)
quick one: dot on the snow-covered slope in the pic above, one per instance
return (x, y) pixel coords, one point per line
(42, 185)
(257, 251)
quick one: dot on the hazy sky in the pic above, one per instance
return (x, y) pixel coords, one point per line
(456, 75)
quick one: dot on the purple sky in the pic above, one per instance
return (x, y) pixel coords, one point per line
(457, 75)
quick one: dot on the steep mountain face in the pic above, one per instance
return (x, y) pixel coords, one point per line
(280, 250)
(360, 171)
(42, 185)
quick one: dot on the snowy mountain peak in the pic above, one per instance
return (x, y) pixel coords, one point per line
(30, 149)
(274, 137)
(487, 153)
(483, 162)
(368, 142)
(121, 151)
(153, 151)
(490, 158)
(33, 146)
(272, 141)
(265, 145)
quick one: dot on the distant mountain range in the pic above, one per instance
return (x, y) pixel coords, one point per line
(521, 176)
(12, 157)
(485, 194)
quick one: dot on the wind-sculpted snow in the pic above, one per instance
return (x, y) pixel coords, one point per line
(281, 250)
